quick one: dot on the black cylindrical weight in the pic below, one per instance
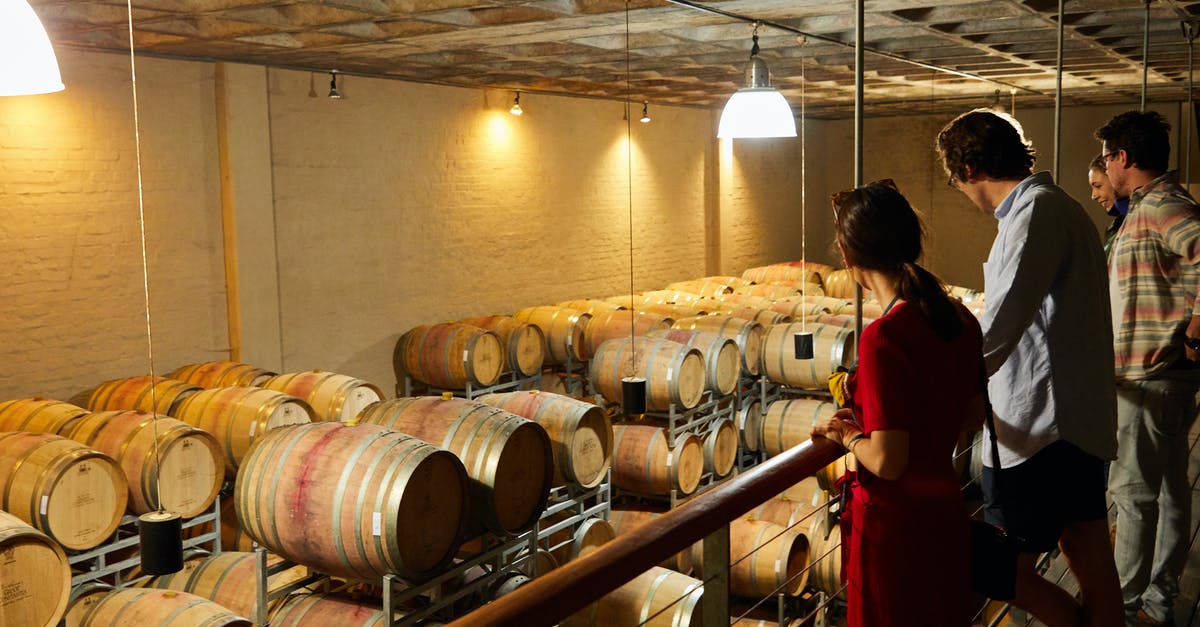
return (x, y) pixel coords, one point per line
(161, 536)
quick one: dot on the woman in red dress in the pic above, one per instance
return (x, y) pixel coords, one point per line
(918, 384)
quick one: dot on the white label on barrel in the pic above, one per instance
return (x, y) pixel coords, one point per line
(464, 357)
(376, 523)
(45, 501)
(253, 426)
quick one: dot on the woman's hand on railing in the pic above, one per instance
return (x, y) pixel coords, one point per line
(840, 427)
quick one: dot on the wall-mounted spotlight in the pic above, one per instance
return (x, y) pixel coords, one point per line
(333, 88)
(515, 109)
(645, 113)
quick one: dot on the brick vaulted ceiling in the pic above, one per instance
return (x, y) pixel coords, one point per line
(673, 53)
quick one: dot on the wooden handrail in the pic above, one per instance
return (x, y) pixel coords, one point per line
(566, 590)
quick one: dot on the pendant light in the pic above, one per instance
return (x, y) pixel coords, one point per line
(645, 113)
(334, 94)
(516, 109)
(757, 110)
(27, 61)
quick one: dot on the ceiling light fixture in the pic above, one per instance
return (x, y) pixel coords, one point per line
(333, 89)
(757, 110)
(27, 60)
(997, 105)
(516, 109)
(645, 113)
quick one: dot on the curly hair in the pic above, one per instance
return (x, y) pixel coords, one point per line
(1144, 135)
(987, 143)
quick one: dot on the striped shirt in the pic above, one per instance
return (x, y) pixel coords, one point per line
(1153, 278)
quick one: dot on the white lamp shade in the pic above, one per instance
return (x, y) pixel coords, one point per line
(27, 61)
(756, 112)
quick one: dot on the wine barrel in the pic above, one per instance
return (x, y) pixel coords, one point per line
(449, 356)
(83, 598)
(564, 330)
(824, 542)
(35, 576)
(221, 374)
(674, 297)
(156, 454)
(722, 361)
(709, 286)
(524, 345)
(353, 501)
(807, 272)
(574, 542)
(237, 417)
(590, 306)
(720, 448)
(839, 284)
(763, 316)
(764, 558)
(38, 415)
(747, 334)
(161, 608)
(807, 490)
(674, 373)
(774, 291)
(318, 609)
(870, 309)
(233, 537)
(172, 581)
(655, 598)
(673, 311)
(626, 301)
(626, 521)
(789, 423)
(840, 321)
(615, 325)
(580, 432)
(335, 397)
(802, 308)
(746, 300)
(509, 459)
(150, 394)
(749, 425)
(72, 493)
(229, 579)
(541, 563)
(645, 463)
(832, 347)
(786, 513)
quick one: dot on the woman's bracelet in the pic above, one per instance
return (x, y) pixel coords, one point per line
(856, 437)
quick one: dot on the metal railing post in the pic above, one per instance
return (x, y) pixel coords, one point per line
(715, 575)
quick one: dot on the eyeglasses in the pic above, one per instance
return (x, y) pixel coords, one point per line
(1110, 155)
(839, 199)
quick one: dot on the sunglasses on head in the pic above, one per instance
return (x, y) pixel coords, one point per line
(839, 199)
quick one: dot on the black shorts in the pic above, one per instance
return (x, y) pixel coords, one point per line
(1060, 484)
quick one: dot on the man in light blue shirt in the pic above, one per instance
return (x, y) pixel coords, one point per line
(1048, 351)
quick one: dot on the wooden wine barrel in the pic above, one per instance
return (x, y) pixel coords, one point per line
(172, 581)
(35, 576)
(229, 579)
(789, 423)
(747, 334)
(590, 306)
(765, 317)
(832, 347)
(625, 301)
(626, 521)
(675, 297)
(870, 309)
(674, 373)
(786, 513)
(644, 462)
(801, 308)
(720, 448)
(808, 272)
(655, 598)
(353, 501)
(580, 432)
(557, 383)
(332, 396)
(83, 598)
(233, 537)
(564, 329)
(749, 425)
(841, 321)
(331, 610)
(574, 542)
(824, 547)
(161, 608)
(839, 284)
(145, 393)
(764, 558)
(524, 345)
(675, 311)
(449, 355)
(508, 458)
(38, 415)
(74, 494)
(541, 563)
(806, 490)
(722, 361)
(192, 468)
(708, 286)
(805, 288)
(746, 300)
(221, 374)
(237, 417)
(828, 476)
(616, 325)
(773, 291)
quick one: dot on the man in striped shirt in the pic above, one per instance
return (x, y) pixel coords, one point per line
(1154, 274)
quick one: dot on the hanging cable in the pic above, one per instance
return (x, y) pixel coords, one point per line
(1058, 95)
(633, 387)
(1145, 53)
(1189, 31)
(859, 46)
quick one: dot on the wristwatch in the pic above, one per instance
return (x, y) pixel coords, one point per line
(1192, 342)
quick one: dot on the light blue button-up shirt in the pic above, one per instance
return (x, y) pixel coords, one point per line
(1047, 331)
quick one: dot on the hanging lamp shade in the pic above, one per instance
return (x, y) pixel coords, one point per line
(27, 61)
(757, 110)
